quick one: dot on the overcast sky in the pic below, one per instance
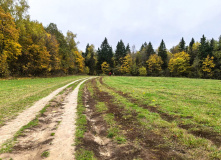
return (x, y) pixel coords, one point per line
(133, 21)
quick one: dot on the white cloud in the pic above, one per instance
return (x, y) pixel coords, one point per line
(133, 21)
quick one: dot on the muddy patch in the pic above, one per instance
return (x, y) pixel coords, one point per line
(35, 141)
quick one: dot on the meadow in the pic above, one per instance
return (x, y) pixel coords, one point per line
(131, 117)
(173, 118)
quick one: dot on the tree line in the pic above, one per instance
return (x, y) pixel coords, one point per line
(198, 59)
(27, 48)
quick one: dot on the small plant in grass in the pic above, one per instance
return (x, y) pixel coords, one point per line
(83, 154)
(112, 132)
(52, 134)
(45, 154)
(120, 139)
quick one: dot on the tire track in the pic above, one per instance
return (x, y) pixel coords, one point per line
(61, 147)
(7, 131)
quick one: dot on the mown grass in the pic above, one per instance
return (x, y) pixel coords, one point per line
(175, 96)
(18, 94)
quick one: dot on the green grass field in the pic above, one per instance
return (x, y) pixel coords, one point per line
(179, 116)
(18, 94)
(186, 112)
(196, 98)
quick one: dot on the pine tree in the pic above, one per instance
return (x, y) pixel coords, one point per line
(182, 46)
(120, 52)
(105, 54)
(162, 52)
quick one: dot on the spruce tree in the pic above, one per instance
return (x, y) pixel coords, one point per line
(120, 52)
(190, 51)
(204, 48)
(128, 49)
(162, 52)
(105, 54)
(191, 43)
(84, 54)
(182, 46)
(149, 50)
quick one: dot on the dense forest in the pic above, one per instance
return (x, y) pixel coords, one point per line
(27, 48)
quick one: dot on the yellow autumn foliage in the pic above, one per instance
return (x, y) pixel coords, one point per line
(105, 67)
(179, 64)
(154, 63)
(208, 65)
(127, 64)
(10, 48)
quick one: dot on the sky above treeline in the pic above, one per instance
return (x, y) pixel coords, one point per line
(133, 21)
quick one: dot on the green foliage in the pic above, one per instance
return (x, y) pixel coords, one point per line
(142, 71)
(90, 59)
(162, 52)
(182, 45)
(120, 52)
(105, 54)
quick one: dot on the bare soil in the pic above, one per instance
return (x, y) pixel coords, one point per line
(141, 143)
(34, 141)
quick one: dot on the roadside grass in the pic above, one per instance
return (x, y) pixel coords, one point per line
(173, 135)
(81, 128)
(19, 94)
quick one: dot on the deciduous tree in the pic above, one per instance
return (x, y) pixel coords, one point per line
(127, 64)
(105, 67)
(208, 66)
(179, 64)
(154, 64)
(10, 49)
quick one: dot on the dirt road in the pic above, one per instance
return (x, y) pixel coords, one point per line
(54, 131)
